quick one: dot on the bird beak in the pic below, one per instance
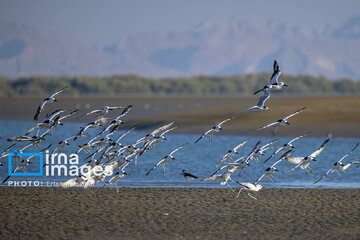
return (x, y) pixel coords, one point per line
(269, 109)
(285, 85)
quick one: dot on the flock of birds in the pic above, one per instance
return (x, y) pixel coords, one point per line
(106, 151)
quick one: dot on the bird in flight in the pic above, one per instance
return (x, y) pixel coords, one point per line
(260, 105)
(166, 159)
(274, 83)
(281, 122)
(49, 99)
(338, 164)
(304, 162)
(286, 146)
(215, 129)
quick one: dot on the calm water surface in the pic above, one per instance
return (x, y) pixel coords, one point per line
(199, 159)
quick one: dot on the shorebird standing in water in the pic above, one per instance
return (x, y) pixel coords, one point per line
(188, 175)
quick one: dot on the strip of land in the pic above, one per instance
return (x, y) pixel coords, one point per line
(177, 213)
(335, 115)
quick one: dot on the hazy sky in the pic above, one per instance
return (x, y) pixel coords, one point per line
(105, 22)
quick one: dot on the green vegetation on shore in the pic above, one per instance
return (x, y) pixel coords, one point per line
(199, 85)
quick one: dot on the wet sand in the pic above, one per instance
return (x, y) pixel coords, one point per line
(176, 213)
(338, 115)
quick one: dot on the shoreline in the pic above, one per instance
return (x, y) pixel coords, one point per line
(172, 213)
(336, 115)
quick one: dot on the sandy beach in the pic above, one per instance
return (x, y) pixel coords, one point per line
(338, 115)
(177, 213)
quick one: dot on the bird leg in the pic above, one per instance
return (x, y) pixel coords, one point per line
(252, 196)
(239, 193)
(116, 186)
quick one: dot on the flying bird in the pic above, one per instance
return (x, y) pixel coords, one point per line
(231, 153)
(260, 105)
(49, 99)
(100, 113)
(337, 165)
(274, 83)
(304, 162)
(281, 122)
(213, 130)
(286, 146)
(272, 169)
(166, 159)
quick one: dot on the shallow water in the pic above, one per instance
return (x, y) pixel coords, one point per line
(198, 159)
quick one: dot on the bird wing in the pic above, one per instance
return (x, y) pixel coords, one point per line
(273, 154)
(240, 145)
(295, 113)
(285, 155)
(294, 160)
(61, 90)
(125, 133)
(40, 108)
(124, 112)
(297, 138)
(166, 131)
(162, 128)
(269, 125)
(259, 179)
(276, 73)
(269, 143)
(348, 153)
(222, 122)
(212, 177)
(7, 149)
(263, 98)
(112, 108)
(54, 114)
(204, 134)
(248, 109)
(293, 168)
(251, 154)
(69, 114)
(32, 129)
(178, 149)
(323, 176)
(320, 149)
(160, 162)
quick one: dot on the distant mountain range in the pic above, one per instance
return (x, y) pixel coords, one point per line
(222, 48)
